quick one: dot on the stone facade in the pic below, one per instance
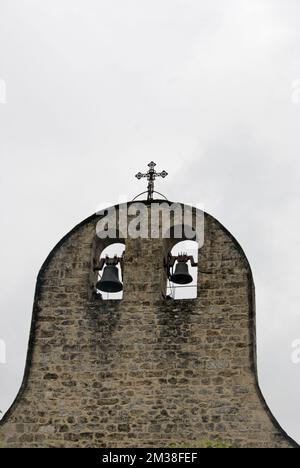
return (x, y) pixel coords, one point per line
(143, 371)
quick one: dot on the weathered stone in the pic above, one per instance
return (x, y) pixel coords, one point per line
(50, 377)
(144, 371)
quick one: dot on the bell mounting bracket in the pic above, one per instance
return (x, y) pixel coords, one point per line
(112, 261)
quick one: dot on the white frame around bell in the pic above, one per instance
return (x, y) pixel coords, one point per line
(189, 291)
(117, 248)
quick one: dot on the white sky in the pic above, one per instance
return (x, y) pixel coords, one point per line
(97, 89)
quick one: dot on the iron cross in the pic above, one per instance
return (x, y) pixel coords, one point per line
(151, 176)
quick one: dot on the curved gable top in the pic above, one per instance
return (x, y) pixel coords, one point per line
(188, 366)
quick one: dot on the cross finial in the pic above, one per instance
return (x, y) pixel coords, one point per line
(151, 176)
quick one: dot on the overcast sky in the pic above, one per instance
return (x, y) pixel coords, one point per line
(208, 89)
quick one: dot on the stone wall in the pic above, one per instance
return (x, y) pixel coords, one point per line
(144, 371)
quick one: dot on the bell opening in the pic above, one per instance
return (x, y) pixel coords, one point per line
(182, 282)
(110, 279)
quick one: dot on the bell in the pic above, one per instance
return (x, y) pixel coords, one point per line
(181, 274)
(110, 280)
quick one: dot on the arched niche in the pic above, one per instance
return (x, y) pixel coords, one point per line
(187, 291)
(111, 245)
(112, 250)
(188, 239)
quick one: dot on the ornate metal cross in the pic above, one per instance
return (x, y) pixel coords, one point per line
(151, 176)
